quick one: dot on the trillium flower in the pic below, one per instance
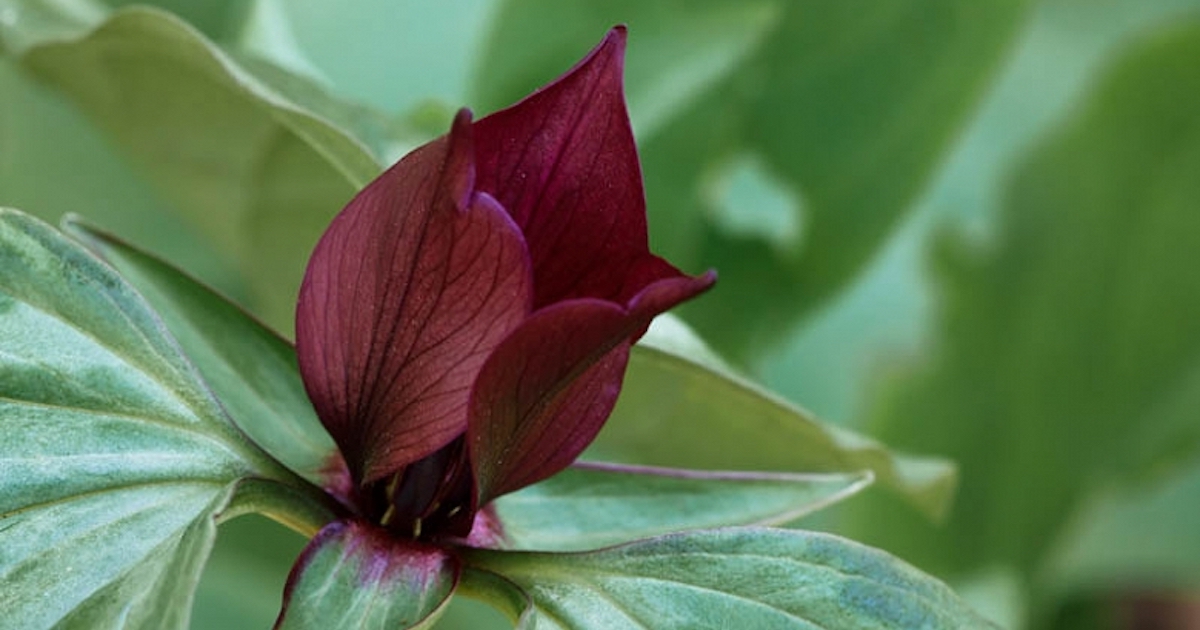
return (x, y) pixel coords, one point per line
(464, 324)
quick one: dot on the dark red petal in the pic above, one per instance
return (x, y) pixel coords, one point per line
(549, 387)
(355, 575)
(564, 165)
(544, 392)
(405, 296)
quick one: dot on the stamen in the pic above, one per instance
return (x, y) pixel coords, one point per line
(417, 528)
(390, 489)
(388, 515)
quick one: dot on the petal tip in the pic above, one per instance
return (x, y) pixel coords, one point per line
(458, 175)
(618, 35)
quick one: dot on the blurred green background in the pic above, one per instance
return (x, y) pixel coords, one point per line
(968, 228)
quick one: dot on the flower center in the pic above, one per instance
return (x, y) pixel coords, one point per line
(429, 498)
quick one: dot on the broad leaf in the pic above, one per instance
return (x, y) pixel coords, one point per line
(258, 174)
(116, 458)
(52, 162)
(681, 407)
(592, 505)
(355, 576)
(250, 369)
(1069, 354)
(742, 577)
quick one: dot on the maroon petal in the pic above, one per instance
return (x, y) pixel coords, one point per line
(405, 296)
(564, 165)
(548, 388)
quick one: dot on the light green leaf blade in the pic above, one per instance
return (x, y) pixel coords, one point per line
(251, 369)
(391, 55)
(116, 458)
(681, 407)
(739, 577)
(356, 576)
(1068, 357)
(592, 505)
(259, 175)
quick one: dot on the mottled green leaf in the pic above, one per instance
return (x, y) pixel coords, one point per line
(592, 505)
(1069, 352)
(251, 369)
(740, 577)
(355, 576)
(258, 174)
(681, 407)
(116, 458)
(245, 576)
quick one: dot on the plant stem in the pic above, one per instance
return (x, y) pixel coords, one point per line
(305, 509)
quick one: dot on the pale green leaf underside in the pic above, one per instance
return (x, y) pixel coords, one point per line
(681, 407)
(731, 578)
(356, 577)
(251, 369)
(588, 505)
(115, 456)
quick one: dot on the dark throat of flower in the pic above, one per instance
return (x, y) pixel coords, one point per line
(428, 499)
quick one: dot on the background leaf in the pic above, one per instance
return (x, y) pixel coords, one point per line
(679, 412)
(762, 578)
(1070, 357)
(116, 459)
(260, 176)
(592, 505)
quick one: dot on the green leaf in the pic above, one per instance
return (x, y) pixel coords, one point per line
(848, 108)
(1141, 536)
(741, 577)
(392, 56)
(592, 505)
(53, 162)
(259, 175)
(116, 458)
(357, 576)
(250, 369)
(1069, 358)
(27, 22)
(245, 575)
(681, 407)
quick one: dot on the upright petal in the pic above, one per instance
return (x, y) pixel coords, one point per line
(548, 388)
(405, 296)
(564, 164)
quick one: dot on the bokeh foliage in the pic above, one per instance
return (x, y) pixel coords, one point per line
(966, 227)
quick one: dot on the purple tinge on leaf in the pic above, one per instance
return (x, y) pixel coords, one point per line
(464, 324)
(354, 575)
